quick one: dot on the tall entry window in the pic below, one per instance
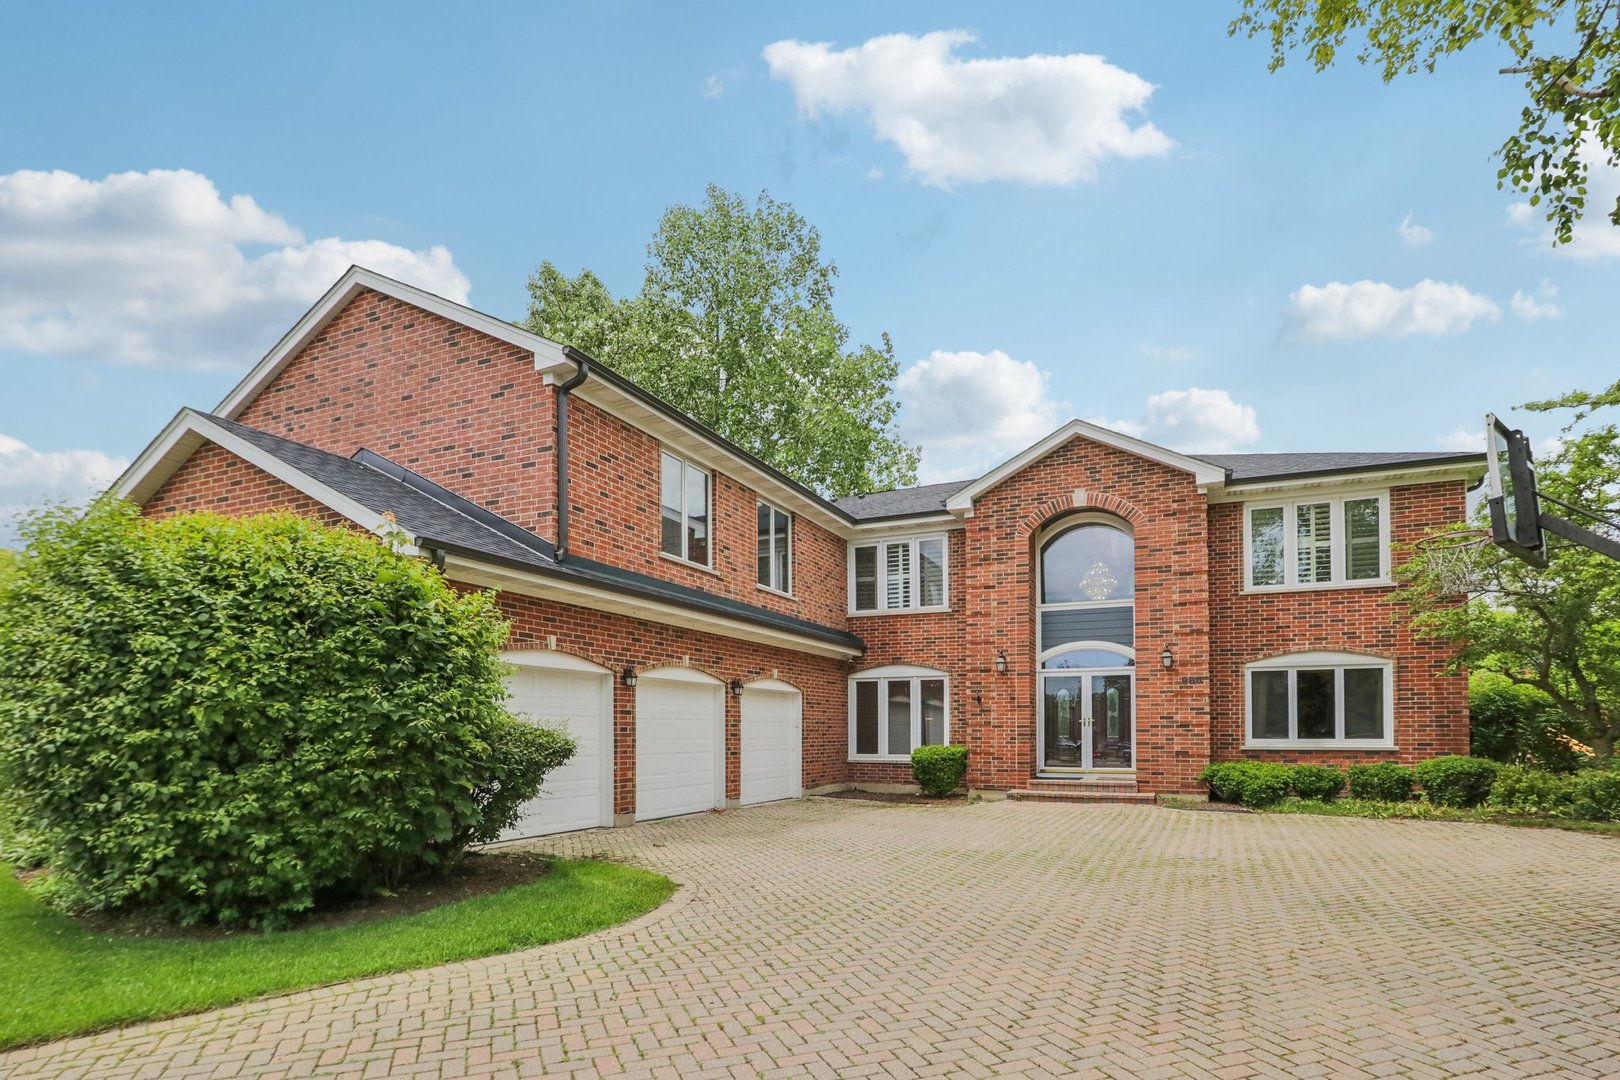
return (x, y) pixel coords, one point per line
(1086, 610)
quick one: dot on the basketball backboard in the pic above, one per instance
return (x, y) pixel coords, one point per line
(1514, 503)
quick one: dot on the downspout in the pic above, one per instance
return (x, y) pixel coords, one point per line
(583, 371)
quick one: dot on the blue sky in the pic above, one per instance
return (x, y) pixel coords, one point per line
(1168, 238)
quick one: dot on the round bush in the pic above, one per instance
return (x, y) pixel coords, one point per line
(1251, 783)
(1317, 782)
(939, 770)
(1455, 780)
(1530, 791)
(1381, 781)
(1595, 795)
(218, 719)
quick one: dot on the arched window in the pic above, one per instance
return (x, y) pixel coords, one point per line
(1092, 562)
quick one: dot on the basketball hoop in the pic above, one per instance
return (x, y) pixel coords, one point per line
(1453, 558)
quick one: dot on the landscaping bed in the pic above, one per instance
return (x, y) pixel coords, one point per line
(894, 797)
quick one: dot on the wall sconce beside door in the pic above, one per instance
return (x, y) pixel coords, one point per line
(1167, 658)
(1001, 661)
(628, 676)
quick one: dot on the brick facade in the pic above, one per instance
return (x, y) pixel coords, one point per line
(468, 411)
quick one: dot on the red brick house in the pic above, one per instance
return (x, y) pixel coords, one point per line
(1097, 615)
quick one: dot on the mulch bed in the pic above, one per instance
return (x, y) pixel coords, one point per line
(892, 797)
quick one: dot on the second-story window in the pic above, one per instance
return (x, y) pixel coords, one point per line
(685, 510)
(1317, 543)
(899, 575)
(775, 552)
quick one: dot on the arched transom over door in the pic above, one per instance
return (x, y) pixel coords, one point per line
(1086, 641)
(680, 743)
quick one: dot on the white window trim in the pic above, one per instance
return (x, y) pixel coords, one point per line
(1291, 543)
(686, 462)
(1315, 661)
(774, 509)
(916, 574)
(897, 672)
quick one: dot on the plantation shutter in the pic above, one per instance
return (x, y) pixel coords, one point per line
(1314, 533)
(897, 568)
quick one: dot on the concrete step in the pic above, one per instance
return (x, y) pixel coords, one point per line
(1083, 794)
(1082, 783)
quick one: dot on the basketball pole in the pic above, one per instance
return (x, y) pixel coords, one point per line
(1581, 535)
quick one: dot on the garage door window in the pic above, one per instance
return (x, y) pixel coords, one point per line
(893, 712)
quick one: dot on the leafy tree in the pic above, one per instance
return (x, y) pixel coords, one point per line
(1555, 629)
(1519, 725)
(734, 324)
(223, 719)
(1568, 52)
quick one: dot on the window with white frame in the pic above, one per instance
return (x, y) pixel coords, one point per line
(684, 509)
(775, 551)
(1321, 699)
(1317, 542)
(893, 710)
(909, 574)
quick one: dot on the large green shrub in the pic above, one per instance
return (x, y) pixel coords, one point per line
(1455, 780)
(1252, 783)
(1316, 782)
(939, 770)
(218, 719)
(1521, 725)
(1381, 781)
(1595, 795)
(1530, 791)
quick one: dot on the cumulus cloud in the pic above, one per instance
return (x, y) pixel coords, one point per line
(1595, 236)
(158, 268)
(971, 410)
(1033, 119)
(1366, 309)
(29, 477)
(1463, 437)
(1414, 235)
(1193, 421)
(1538, 306)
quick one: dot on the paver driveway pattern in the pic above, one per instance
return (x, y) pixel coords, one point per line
(835, 938)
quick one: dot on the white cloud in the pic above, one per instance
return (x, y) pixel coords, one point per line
(158, 268)
(29, 477)
(1539, 306)
(1364, 309)
(971, 410)
(1414, 236)
(1176, 354)
(874, 173)
(1595, 236)
(713, 87)
(1033, 119)
(1463, 437)
(1193, 421)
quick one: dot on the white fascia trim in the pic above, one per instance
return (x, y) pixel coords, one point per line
(189, 430)
(1347, 483)
(930, 523)
(587, 596)
(355, 280)
(1205, 474)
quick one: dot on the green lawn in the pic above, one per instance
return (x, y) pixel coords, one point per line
(60, 979)
(1418, 810)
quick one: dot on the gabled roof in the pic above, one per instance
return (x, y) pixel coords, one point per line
(1203, 473)
(387, 498)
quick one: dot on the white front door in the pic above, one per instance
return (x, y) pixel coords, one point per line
(680, 746)
(771, 745)
(575, 795)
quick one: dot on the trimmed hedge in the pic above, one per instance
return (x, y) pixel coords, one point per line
(219, 720)
(1530, 791)
(1251, 783)
(939, 770)
(1455, 780)
(1317, 782)
(1381, 781)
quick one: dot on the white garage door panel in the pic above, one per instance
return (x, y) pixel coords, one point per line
(575, 794)
(771, 744)
(678, 733)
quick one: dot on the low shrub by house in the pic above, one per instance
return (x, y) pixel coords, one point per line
(1381, 781)
(939, 770)
(1595, 795)
(1520, 725)
(1455, 780)
(1317, 782)
(218, 719)
(1252, 783)
(1530, 791)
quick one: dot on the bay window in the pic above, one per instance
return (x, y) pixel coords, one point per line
(1320, 699)
(1319, 542)
(893, 710)
(909, 574)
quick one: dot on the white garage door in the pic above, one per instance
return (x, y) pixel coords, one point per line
(680, 741)
(771, 743)
(575, 795)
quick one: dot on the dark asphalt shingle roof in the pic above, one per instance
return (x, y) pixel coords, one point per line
(437, 517)
(902, 502)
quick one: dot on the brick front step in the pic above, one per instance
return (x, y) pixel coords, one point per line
(1082, 783)
(1087, 793)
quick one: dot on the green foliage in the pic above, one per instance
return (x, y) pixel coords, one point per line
(1557, 629)
(1595, 795)
(1250, 783)
(1317, 782)
(63, 979)
(734, 324)
(1518, 724)
(1381, 781)
(1570, 122)
(1455, 780)
(939, 770)
(1530, 791)
(218, 719)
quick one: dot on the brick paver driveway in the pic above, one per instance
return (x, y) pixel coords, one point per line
(846, 939)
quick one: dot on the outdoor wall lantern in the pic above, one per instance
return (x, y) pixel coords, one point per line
(1167, 658)
(1001, 661)
(736, 687)
(629, 677)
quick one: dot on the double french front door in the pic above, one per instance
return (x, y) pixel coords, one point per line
(1088, 721)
